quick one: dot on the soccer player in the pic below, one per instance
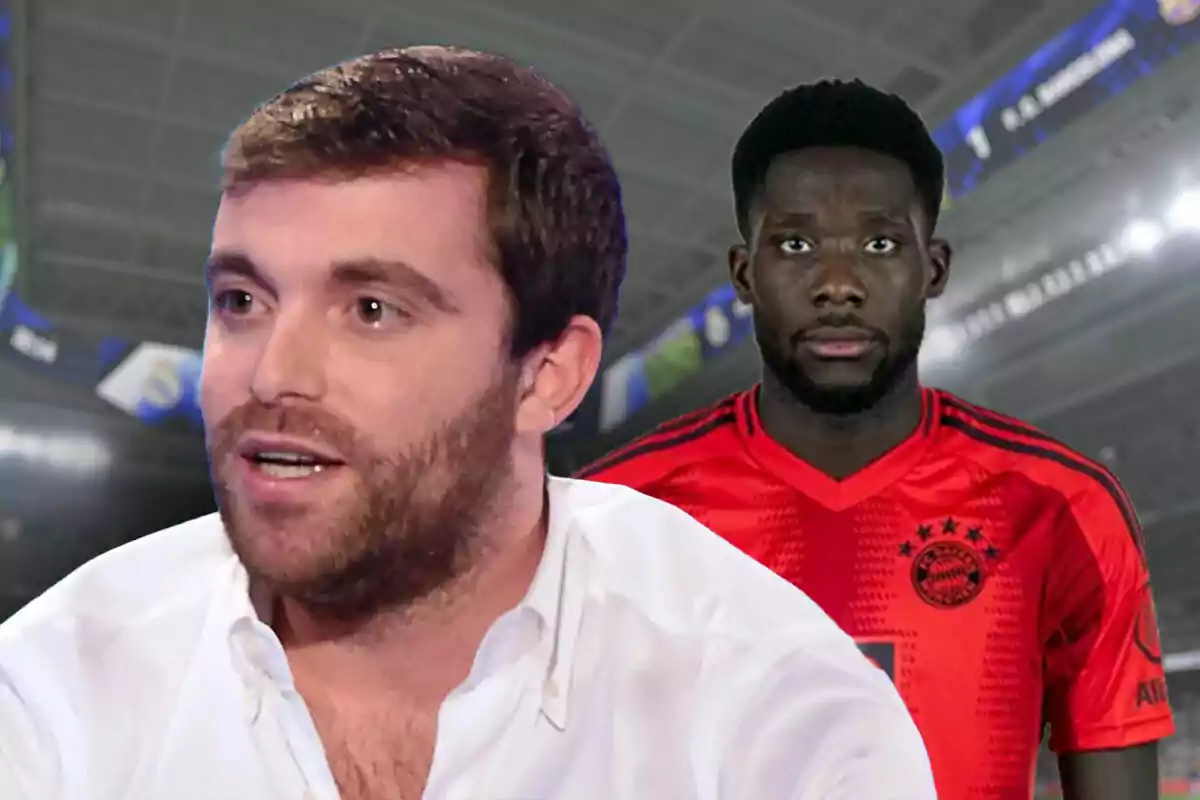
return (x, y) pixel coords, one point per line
(413, 260)
(996, 575)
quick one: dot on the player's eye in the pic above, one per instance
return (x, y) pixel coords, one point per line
(376, 313)
(233, 302)
(881, 246)
(795, 245)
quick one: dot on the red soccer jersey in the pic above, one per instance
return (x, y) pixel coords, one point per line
(995, 574)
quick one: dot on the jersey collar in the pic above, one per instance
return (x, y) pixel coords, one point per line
(836, 494)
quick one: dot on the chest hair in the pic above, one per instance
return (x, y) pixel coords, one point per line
(379, 754)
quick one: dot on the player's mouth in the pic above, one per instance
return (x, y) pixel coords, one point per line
(288, 466)
(277, 469)
(839, 344)
(287, 459)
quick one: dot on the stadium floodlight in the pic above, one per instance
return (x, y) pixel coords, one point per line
(1142, 236)
(1184, 213)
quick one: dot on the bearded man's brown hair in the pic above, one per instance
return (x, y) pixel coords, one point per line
(555, 216)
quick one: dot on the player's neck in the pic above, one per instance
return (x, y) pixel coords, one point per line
(840, 445)
(425, 650)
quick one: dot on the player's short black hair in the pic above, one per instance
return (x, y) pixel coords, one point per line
(835, 113)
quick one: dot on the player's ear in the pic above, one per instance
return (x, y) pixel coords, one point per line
(556, 376)
(739, 272)
(938, 268)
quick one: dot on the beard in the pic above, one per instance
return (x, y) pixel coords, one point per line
(411, 525)
(900, 354)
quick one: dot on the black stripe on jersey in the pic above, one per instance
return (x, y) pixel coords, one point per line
(749, 400)
(1100, 476)
(654, 445)
(670, 426)
(691, 418)
(998, 422)
(928, 405)
(991, 420)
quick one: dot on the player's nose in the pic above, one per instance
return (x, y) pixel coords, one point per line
(291, 362)
(838, 284)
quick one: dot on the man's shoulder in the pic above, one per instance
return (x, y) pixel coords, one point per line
(766, 660)
(687, 441)
(89, 670)
(151, 581)
(683, 576)
(998, 443)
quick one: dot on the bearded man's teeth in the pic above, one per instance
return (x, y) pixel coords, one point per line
(276, 470)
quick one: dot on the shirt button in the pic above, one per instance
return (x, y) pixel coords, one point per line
(551, 690)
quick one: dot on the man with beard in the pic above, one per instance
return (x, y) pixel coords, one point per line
(993, 573)
(413, 260)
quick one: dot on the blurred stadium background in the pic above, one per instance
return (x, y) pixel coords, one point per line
(1072, 134)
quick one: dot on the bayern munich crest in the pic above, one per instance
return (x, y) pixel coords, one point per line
(950, 562)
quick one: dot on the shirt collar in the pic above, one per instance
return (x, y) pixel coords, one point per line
(834, 493)
(556, 595)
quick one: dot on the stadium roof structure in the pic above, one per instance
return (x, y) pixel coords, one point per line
(125, 104)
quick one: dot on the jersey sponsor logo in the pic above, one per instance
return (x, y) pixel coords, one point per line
(950, 562)
(1145, 629)
(880, 653)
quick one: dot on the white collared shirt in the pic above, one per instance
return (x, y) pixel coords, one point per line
(650, 659)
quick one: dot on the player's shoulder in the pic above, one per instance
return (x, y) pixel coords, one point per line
(686, 441)
(996, 443)
(684, 578)
(153, 582)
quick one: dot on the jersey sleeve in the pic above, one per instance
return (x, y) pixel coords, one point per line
(646, 462)
(624, 469)
(1105, 687)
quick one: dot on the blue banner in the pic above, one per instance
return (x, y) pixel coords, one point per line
(8, 246)
(1083, 67)
(157, 383)
(60, 354)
